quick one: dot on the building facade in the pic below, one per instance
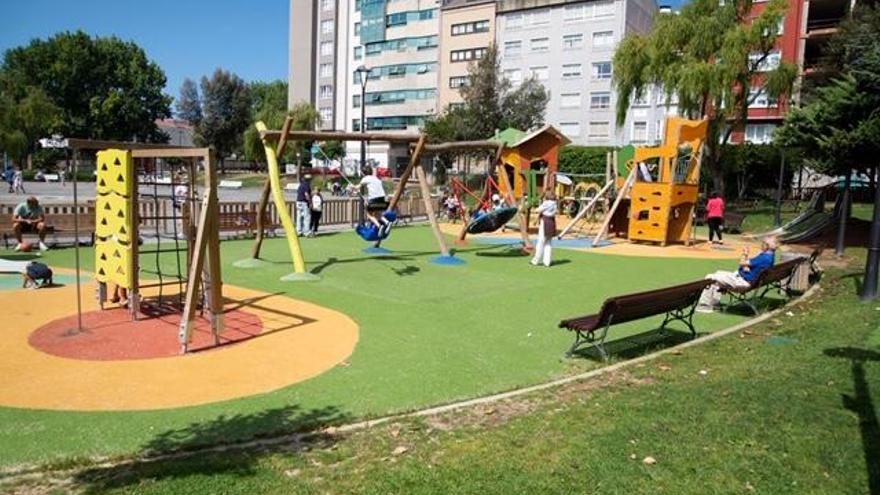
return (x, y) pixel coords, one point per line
(467, 28)
(568, 45)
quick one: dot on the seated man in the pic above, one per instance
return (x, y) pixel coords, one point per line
(29, 218)
(748, 271)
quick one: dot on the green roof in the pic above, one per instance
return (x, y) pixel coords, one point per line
(510, 136)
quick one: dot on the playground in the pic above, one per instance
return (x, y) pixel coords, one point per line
(301, 334)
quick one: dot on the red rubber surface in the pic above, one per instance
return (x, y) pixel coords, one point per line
(110, 335)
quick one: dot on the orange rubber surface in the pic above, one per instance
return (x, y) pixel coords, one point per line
(297, 341)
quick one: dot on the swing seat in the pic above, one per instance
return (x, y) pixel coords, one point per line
(369, 232)
(490, 221)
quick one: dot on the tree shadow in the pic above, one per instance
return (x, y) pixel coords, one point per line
(862, 404)
(190, 450)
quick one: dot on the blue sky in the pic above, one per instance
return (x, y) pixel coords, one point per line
(187, 38)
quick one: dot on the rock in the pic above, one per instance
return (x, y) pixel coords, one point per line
(650, 461)
(400, 450)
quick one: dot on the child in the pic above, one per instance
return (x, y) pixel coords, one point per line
(452, 205)
(119, 295)
(376, 202)
(317, 207)
(36, 275)
(546, 229)
(18, 181)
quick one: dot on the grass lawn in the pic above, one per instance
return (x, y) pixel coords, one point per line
(428, 335)
(784, 407)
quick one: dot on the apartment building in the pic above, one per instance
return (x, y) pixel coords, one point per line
(467, 28)
(568, 45)
(315, 49)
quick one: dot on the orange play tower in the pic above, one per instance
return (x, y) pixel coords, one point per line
(662, 199)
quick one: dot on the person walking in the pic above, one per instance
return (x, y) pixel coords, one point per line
(304, 206)
(317, 209)
(715, 216)
(18, 181)
(546, 229)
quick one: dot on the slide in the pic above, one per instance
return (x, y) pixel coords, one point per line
(815, 207)
(815, 224)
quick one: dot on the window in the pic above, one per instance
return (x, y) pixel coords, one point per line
(358, 52)
(769, 63)
(512, 48)
(357, 29)
(396, 96)
(465, 55)
(458, 81)
(514, 21)
(603, 9)
(326, 115)
(327, 5)
(658, 131)
(326, 91)
(537, 45)
(780, 28)
(326, 48)
(456, 106)
(470, 27)
(601, 71)
(598, 129)
(640, 132)
(570, 129)
(540, 17)
(514, 76)
(642, 100)
(600, 100)
(570, 100)
(571, 71)
(575, 13)
(571, 41)
(603, 39)
(326, 70)
(541, 73)
(327, 26)
(759, 133)
(760, 99)
(397, 19)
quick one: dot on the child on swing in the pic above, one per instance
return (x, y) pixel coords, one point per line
(376, 201)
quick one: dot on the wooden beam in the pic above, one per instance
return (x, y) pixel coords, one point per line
(429, 209)
(342, 136)
(100, 144)
(404, 177)
(630, 180)
(171, 153)
(267, 190)
(462, 146)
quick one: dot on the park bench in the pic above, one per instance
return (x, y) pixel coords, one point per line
(732, 220)
(230, 184)
(776, 277)
(677, 303)
(59, 222)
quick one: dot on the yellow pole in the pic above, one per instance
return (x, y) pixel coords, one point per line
(299, 265)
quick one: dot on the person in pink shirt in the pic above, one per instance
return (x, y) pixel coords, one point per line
(715, 216)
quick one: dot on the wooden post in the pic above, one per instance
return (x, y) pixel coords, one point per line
(520, 215)
(215, 290)
(407, 172)
(630, 179)
(267, 189)
(486, 192)
(429, 209)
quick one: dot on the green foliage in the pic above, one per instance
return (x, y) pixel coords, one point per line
(189, 104)
(707, 56)
(523, 108)
(226, 112)
(333, 150)
(583, 159)
(105, 88)
(24, 120)
(305, 117)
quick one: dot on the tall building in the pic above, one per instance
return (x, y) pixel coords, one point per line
(568, 46)
(315, 49)
(467, 28)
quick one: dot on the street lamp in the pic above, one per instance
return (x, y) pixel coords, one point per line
(363, 72)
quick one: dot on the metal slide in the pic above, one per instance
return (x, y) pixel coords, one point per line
(815, 225)
(815, 207)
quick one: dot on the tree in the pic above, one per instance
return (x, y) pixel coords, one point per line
(483, 96)
(105, 88)
(523, 108)
(25, 120)
(709, 56)
(304, 118)
(189, 104)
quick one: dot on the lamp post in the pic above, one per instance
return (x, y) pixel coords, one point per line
(363, 72)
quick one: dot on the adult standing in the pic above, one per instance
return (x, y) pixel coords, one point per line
(304, 206)
(546, 229)
(715, 216)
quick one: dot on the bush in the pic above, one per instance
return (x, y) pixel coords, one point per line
(752, 170)
(583, 159)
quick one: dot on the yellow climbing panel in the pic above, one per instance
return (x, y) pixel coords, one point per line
(114, 223)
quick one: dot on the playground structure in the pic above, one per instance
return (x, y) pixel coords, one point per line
(530, 162)
(129, 174)
(662, 200)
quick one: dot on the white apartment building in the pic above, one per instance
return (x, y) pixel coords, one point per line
(568, 45)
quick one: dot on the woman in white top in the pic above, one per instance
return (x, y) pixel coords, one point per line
(546, 229)
(376, 202)
(317, 208)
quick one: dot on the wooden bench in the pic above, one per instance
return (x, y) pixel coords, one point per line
(732, 220)
(59, 221)
(776, 277)
(676, 302)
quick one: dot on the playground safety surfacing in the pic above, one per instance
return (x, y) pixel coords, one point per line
(271, 341)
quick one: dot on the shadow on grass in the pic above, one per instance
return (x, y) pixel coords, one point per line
(165, 456)
(862, 404)
(637, 345)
